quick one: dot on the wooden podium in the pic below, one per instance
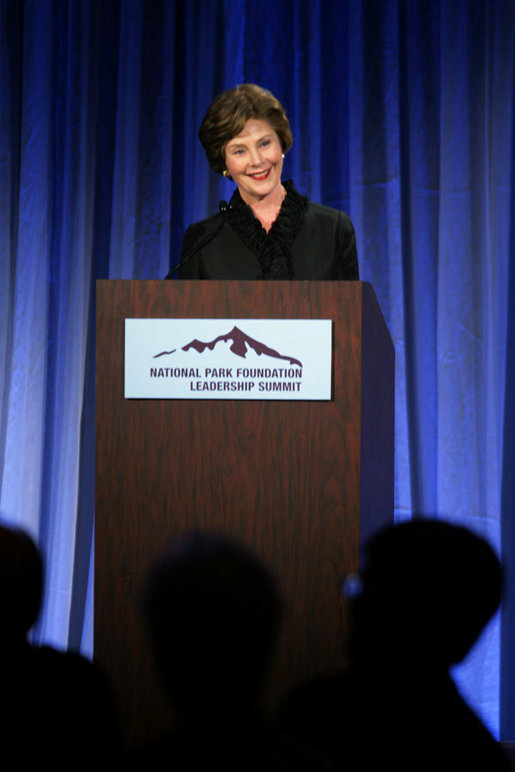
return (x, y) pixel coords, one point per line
(301, 483)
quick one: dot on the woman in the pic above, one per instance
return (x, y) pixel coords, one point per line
(269, 230)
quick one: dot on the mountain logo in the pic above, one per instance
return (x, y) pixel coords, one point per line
(240, 345)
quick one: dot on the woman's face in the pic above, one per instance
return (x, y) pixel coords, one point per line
(254, 160)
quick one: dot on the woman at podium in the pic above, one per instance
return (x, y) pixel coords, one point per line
(268, 230)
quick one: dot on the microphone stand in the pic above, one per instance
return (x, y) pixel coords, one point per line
(223, 208)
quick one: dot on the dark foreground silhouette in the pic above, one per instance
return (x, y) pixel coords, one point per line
(213, 613)
(56, 708)
(427, 591)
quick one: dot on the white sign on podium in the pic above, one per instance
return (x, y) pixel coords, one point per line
(271, 359)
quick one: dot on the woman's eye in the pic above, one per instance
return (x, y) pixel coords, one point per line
(265, 142)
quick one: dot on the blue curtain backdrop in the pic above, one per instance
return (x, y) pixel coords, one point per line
(402, 114)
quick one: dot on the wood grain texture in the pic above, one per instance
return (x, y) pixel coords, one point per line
(284, 478)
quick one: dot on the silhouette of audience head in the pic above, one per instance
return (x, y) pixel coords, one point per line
(213, 613)
(56, 708)
(428, 590)
(21, 583)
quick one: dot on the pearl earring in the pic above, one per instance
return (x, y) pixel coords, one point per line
(225, 173)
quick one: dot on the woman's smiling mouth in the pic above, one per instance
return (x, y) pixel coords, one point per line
(260, 176)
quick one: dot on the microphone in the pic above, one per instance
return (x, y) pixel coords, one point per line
(223, 209)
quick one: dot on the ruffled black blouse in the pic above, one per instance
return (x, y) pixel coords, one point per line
(273, 249)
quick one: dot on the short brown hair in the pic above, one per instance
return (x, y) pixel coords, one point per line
(230, 111)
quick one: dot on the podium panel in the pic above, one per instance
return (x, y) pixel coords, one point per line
(302, 483)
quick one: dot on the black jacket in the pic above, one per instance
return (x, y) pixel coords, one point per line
(307, 241)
